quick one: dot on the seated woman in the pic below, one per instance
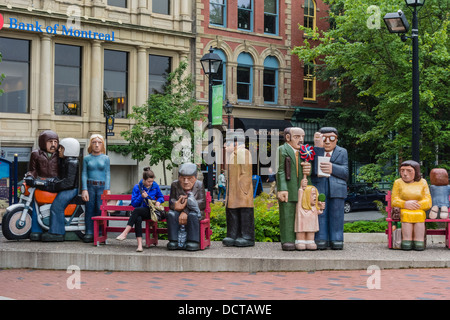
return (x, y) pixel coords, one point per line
(145, 191)
(411, 194)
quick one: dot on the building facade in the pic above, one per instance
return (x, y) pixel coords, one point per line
(66, 62)
(267, 85)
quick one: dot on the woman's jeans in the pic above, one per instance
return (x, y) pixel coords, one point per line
(222, 190)
(93, 205)
(57, 220)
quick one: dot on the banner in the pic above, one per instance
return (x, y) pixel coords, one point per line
(217, 103)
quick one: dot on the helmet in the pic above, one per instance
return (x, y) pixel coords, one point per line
(44, 137)
(71, 147)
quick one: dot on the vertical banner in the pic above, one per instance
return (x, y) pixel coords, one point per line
(217, 102)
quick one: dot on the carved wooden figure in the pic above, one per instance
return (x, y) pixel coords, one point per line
(440, 191)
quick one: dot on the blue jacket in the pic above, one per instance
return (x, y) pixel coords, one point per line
(154, 193)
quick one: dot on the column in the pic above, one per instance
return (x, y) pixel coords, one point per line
(96, 89)
(142, 72)
(45, 83)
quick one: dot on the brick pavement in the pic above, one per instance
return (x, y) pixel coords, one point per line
(397, 284)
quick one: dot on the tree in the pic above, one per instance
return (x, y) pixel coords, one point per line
(160, 117)
(373, 68)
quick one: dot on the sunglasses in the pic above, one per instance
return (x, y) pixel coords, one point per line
(330, 138)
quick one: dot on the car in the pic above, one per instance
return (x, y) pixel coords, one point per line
(363, 197)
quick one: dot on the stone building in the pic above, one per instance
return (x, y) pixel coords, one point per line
(66, 60)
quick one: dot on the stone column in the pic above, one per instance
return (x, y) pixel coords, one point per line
(96, 88)
(45, 83)
(142, 72)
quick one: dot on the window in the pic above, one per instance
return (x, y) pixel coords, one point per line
(310, 14)
(309, 82)
(67, 80)
(159, 69)
(221, 76)
(271, 16)
(15, 65)
(245, 14)
(217, 12)
(115, 83)
(161, 6)
(244, 77)
(270, 80)
(117, 3)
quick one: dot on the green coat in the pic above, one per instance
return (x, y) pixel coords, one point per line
(287, 180)
(283, 182)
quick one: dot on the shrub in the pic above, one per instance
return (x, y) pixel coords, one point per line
(366, 226)
(266, 219)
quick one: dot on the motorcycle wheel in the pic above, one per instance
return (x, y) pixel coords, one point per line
(10, 225)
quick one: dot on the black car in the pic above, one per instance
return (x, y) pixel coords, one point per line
(363, 197)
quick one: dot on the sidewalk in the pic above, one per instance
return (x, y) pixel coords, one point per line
(360, 252)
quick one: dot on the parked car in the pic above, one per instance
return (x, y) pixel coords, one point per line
(363, 197)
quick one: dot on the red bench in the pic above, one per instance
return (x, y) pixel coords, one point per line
(390, 220)
(151, 229)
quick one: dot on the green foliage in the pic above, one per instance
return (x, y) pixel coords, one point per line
(161, 116)
(370, 173)
(373, 71)
(366, 226)
(266, 219)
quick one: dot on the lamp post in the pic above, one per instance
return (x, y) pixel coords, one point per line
(229, 109)
(397, 23)
(211, 63)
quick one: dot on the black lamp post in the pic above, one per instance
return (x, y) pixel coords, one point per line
(211, 63)
(229, 109)
(397, 23)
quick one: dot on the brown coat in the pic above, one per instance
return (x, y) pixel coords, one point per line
(239, 182)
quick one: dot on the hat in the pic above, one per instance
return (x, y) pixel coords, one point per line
(188, 169)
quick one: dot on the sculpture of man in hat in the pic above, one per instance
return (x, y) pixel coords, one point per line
(187, 204)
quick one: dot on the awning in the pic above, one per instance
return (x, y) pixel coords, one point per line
(262, 125)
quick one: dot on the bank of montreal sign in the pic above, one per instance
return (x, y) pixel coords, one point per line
(56, 29)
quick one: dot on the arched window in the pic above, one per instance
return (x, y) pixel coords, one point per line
(270, 80)
(310, 14)
(221, 76)
(244, 77)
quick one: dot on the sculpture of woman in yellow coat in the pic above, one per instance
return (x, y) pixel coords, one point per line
(412, 195)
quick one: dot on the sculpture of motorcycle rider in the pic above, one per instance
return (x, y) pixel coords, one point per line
(66, 185)
(43, 164)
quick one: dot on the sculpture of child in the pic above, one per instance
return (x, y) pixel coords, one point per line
(440, 191)
(310, 205)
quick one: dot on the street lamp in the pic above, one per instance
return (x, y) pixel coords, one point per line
(399, 24)
(211, 63)
(228, 109)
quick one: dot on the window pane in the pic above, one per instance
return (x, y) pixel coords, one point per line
(216, 15)
(118, 3)
(15, 65)
(270, 6)
(161, 6)
(244, 19)
(247, 4)
(15, 49)
(243, 83)
(270, 23)
(116, 82)
(159, 68)
(243, 74)
(116, 60)
(243, 91)
(67, 80)
(269, 94)
(269, 77)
